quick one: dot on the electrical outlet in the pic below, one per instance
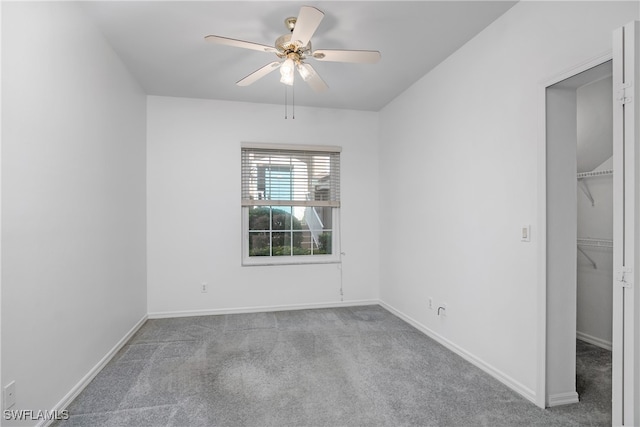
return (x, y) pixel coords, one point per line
(430, 303)
(204, 287)
(10, 395)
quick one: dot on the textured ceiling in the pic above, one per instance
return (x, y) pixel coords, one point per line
(162, 44)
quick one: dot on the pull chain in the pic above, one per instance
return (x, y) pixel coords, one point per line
(293, 103)
(285, 102)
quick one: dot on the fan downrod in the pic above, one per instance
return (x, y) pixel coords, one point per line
(290, 23)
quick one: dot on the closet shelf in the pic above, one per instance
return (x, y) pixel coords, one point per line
(583, 185)
(593, 243)
(595, 173)
(597, 243)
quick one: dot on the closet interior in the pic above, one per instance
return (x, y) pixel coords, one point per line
(595, 210)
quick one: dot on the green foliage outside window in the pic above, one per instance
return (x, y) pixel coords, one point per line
(282, 222)
(267, 223)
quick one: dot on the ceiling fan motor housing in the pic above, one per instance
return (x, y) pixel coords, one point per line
(286, 46)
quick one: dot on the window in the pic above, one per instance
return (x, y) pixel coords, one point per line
(290, 202)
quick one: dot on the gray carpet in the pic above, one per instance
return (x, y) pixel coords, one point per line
(358, 366)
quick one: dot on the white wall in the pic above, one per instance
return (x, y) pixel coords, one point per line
(595, 123)
(194, 221)
(458, 153)
(73, 200)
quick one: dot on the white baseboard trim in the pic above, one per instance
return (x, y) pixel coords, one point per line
(563, 399)
(259, 309)
(505, 379)
(77, 389)
(594, 340)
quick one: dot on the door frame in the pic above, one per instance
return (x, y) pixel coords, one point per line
(541, 383)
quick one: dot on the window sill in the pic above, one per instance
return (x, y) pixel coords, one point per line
(289, 260)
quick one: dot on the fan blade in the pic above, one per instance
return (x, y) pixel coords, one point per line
(314, 80)
(306, 24)
(359, 56)
(258, 74)
(240, 43)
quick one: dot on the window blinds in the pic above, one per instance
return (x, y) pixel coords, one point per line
(279, 175)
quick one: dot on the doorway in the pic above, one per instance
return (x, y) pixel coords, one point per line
(578, 149)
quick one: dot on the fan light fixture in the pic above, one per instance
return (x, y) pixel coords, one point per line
(305, 72)
(286, 72)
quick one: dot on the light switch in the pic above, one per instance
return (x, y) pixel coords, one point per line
(526, 233)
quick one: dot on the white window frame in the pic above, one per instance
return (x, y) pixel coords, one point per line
(334, 257)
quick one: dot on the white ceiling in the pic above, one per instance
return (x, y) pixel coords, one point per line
(162, 44)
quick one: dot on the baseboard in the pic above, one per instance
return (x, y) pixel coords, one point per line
(594, 340)
(563, 399)
(505, 379)
(77, 389)
(259, 309)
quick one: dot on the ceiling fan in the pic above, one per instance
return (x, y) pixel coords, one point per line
(294, 48)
